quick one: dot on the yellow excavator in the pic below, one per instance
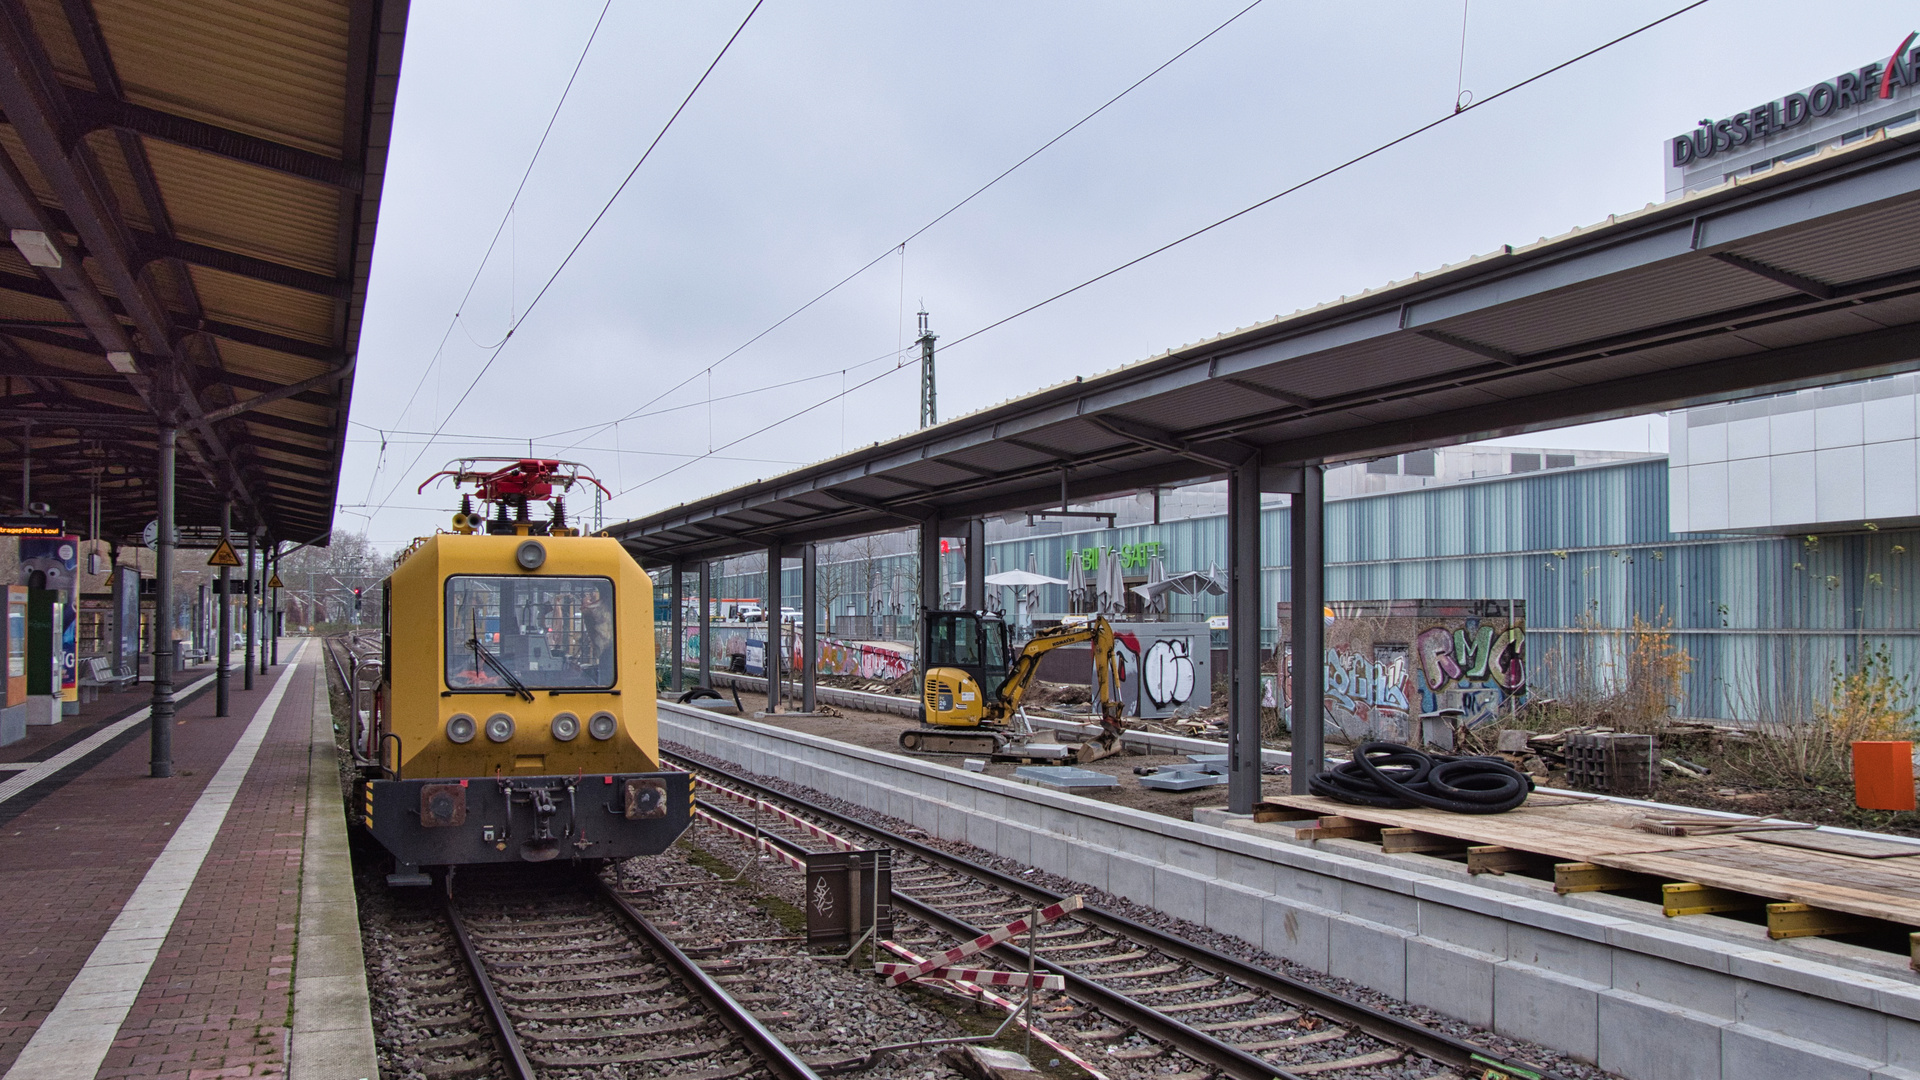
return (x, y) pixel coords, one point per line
(970, 699)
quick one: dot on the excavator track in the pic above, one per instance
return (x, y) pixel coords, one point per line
(928, 739)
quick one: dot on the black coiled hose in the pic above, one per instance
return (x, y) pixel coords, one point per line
(1395, 777)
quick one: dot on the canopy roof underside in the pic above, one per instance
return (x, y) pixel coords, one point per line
(1805, 275)
(210, 175)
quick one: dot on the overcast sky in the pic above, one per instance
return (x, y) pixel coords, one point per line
(831, 131)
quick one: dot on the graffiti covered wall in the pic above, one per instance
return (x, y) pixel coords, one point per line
(1414, 671)
(747, 640)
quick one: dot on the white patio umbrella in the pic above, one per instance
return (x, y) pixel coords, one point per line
(1156, 573)
(1076, 586)
(996, 601)
(1022, 579)
(1189, 583)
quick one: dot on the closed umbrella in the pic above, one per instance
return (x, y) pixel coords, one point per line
(1076, 585)
(1112, 585)
(996, 602)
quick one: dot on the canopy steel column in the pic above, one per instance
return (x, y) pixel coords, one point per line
(273, 612)
(246, 668)
(706, 624)
(226, 614)
(1309, 564)
(161, 764)
(677, 643)
(1243, 636)
(265, 610)
(976, 565)
(775, 625)
(930, 565)
(809, 625)
(929, 549)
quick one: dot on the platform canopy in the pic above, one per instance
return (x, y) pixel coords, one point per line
(1804, 275)
(191, 191)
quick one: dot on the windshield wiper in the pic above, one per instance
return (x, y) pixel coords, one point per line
(499, 668)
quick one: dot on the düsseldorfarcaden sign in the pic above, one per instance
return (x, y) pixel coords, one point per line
(1850, 88)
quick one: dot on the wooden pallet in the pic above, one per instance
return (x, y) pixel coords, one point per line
(1551, 831)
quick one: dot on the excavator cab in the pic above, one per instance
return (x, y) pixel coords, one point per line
(966, 659)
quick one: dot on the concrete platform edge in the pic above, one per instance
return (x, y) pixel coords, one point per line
(1590, 979)
(332, 1012)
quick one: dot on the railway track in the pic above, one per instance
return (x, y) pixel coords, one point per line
(1138, 1001)
(573, 978)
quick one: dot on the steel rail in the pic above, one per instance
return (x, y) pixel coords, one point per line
(1381, 1025)
(764, 1044)
(1202, 1047)
(513, 1055)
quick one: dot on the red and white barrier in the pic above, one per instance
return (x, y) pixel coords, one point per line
(981, 976)
(989, 939)
(785, 816)
(997, 1001)
(760, 842)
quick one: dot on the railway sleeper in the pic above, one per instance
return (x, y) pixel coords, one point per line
(566, 961)
(664, 1053)
(1269, 1020)
(1177, 988)
(1330, 1035)
(1202, 1006)
(630, 1031)
(1378, 1057)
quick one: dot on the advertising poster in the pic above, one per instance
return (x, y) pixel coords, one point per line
(58, 558)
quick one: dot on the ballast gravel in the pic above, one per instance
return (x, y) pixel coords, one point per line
(1513, 1049)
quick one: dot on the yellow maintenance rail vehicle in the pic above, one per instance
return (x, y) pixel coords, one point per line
(515, 720)
(971, 697)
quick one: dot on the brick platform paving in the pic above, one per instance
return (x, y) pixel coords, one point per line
(217, 1000)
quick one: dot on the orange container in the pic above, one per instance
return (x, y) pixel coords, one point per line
(1883, 775)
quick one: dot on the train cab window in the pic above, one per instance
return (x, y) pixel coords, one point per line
(510, 633)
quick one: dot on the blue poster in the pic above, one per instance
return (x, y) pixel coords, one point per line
(58, 559)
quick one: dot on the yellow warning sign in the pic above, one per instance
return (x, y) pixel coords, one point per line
(274, 582)
(223, 556)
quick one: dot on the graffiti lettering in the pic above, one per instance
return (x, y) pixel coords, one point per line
(1168, 673)
(1354, 682)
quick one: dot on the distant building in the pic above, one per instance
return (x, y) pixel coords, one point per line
(1759, 136)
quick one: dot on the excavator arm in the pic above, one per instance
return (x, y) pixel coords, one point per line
(1014, 689)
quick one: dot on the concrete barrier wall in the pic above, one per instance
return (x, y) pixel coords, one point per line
(1602, 978)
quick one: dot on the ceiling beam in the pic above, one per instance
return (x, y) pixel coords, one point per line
(1224, 454)
(1474, 347)
(1773, 273)
(281, 393)
(99, 112)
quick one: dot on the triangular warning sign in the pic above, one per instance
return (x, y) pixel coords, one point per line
(223, 556)
(274, 582)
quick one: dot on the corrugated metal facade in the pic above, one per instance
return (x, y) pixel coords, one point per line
(1765, 619)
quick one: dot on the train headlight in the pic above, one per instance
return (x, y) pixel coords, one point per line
(531, 555)
(603, 725)
(461, 728)
(499, 727)
(565, 727)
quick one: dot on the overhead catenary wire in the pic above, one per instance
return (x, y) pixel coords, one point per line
(575, 249)
(1322, 175)
(1342, 166)
(505, 217)
(915, 234)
